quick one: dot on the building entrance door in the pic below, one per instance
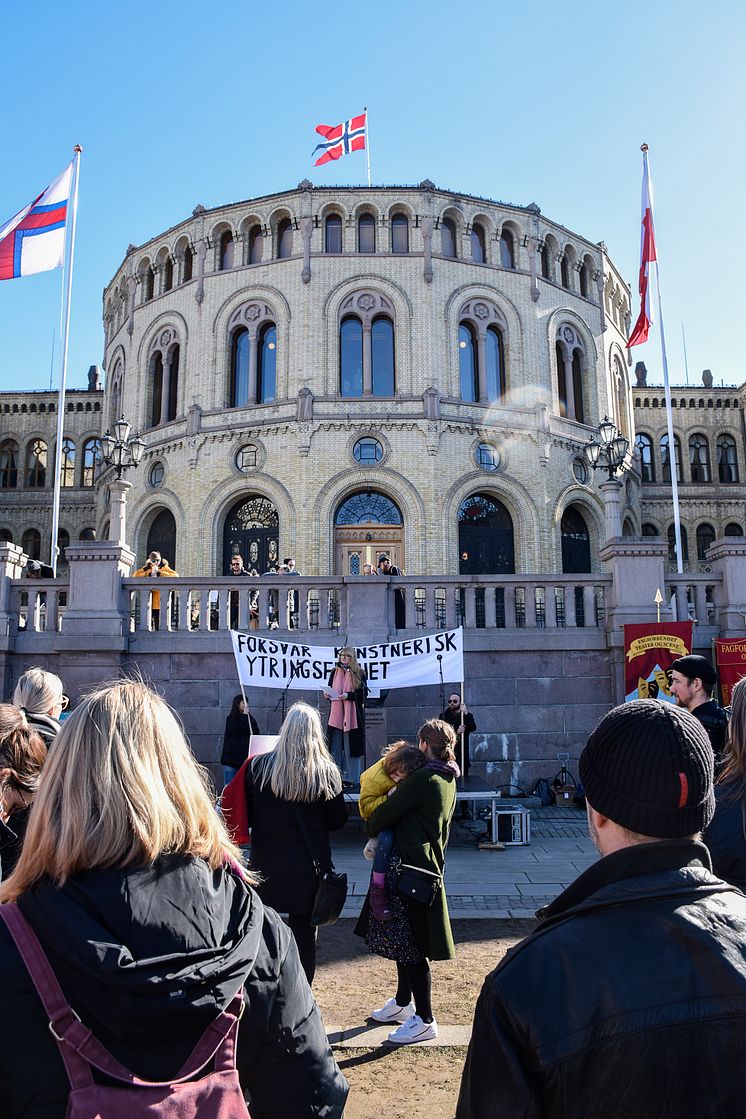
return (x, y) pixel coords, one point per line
(252, 531)
(366, 526)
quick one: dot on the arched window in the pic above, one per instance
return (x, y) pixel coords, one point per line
(168, 274)
(351, 357)
(576, 546)
(6, 536)
(370, 508)
(91, 461)
(36, 464)
(67, 463)
(162, 537)
(650, 530)
(665, 458)
(727, 459)
(507, 250)
(705, 540)
(165, 375)
(225, 255)
(366, 234)
(400, 233)
(382, 356)
(478, 252)
(333, 234)
(284, 239)
(733, 529)
(448, 237)
(31, 543)
(672, 545)
(485, 537)
(87, 534)
(188, 264)
(8, 464)
(251, 530)
(240, 347)
(467, 357)
(255, 244)
(544, 259)
(644, 446)
(149, 284)
(585, 280)
(699, 458)
(116, 395)
(267, 363)
(568, 356)
(495, 366)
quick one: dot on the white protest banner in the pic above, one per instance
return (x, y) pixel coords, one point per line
(269, 663)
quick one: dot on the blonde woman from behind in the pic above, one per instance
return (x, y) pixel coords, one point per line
(297, 784)
(131, 884)
(40, 695)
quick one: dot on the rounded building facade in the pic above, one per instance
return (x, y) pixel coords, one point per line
(333, 373)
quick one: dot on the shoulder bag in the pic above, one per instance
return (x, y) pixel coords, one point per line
(331, 891)
(418, 885)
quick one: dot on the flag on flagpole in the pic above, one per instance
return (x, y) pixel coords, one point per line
(641, 328)
(34, 240)
(340, 139)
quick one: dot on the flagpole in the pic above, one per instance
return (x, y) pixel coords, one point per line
(667, 386)
(70, 256)
(367, 142)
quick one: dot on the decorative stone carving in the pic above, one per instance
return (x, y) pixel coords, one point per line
(569, 335)
(433, 437)
(428, 185)
(707, 378)
(304, 411)
(305, 184)
(199, 209)
(641, 374)
(304, 438)
(252, 312)
(366, 302)
(166, 337)
(481, 310)
(431, 398)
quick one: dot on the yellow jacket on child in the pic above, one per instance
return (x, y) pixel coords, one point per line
(374, 788)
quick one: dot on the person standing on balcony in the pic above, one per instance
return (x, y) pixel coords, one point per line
(386, 567)
(155, 567)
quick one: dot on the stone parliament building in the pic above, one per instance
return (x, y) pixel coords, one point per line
(333, 373)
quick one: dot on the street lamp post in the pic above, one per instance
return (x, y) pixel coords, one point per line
(120, 451)
(607, 451)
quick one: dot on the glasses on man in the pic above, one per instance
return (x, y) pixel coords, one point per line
(453, 702)
(64, 703)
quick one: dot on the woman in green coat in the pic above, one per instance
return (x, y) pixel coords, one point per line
(419, 812)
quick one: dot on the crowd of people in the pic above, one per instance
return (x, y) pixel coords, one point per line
(120, 873)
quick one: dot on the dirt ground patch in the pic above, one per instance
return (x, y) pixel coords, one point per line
(417, 1082)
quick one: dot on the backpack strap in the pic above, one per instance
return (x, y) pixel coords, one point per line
(79, 1048)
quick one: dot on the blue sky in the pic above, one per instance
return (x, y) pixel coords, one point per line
(180, 103)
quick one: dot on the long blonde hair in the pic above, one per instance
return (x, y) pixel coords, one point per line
(38, 691)
(300, 767)
(357, 671)
(120, 788)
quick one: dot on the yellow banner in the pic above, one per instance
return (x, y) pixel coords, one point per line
(657, 641)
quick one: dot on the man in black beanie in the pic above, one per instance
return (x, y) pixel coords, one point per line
(692, 681)
(629, 1000)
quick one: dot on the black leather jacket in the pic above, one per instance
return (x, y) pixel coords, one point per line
(628, 1002)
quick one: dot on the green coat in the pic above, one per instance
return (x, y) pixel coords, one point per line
(420, 813)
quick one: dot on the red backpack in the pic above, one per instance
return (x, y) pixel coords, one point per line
(217, 1095)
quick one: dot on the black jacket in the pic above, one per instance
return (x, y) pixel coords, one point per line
(715, 721)
(12, 836)
(725, 837)
(628, 1002)
(455, 719)
(45, 725)
(278, 850)
(238, 727)
(147, 958)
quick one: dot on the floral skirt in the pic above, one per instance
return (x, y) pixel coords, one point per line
(394, 940)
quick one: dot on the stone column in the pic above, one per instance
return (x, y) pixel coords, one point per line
(201, 248)
(12, 560)
(131, 288)
(637, 571)
(533, 258)
(728, 559)
(367, 358)
(611, 491)
(96, 619)
(253, 362)
(118, 522)
(165, 386)
(482, 365)
(426, 225)
(306, 228)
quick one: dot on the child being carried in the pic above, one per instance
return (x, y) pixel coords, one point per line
(378, 782)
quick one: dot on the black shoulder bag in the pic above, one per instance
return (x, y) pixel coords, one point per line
(331, 891)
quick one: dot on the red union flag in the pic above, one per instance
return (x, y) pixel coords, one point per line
(641, 328)
(340, 139)
(650, 648)
(730, 654)
(34, 240)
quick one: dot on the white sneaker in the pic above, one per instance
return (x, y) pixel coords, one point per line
(392, 1012)
(414, 1030)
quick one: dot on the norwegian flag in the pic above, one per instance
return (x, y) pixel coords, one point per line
(34, 240)
(647, 256)
(341, 139)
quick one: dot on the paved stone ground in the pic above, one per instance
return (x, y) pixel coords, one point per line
(513, 882)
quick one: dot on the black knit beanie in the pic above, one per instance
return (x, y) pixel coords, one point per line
(649, 767)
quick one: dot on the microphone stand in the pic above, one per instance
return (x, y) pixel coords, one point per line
(283, 697)
(442, 684)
